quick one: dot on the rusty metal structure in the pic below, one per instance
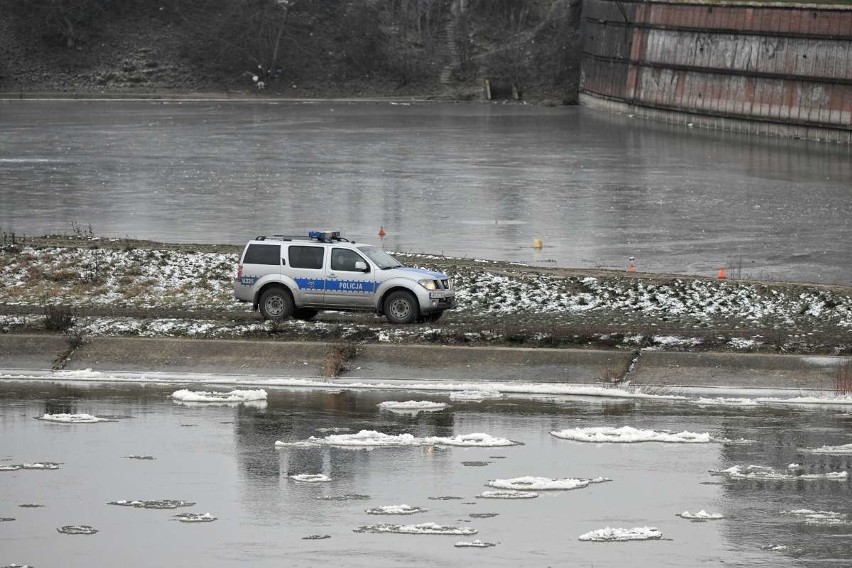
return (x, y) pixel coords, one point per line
(766, 68)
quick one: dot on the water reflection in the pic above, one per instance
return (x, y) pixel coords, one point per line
(465, 180)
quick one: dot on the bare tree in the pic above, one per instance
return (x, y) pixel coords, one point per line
(66, 19)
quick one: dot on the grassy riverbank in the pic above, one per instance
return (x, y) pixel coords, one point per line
(89, 286)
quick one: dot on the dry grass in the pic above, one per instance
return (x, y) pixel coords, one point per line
(337, 359)
(843, 385)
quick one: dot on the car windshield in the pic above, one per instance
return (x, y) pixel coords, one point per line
(381, 259)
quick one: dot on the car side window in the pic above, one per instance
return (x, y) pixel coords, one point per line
(306, 257)
(345, 259)
(263, 254)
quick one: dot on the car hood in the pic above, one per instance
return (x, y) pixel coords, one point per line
(416, 273)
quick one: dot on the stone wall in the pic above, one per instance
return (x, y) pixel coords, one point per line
(777, 69)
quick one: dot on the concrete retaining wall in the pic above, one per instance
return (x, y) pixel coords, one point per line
(723, 64)
(427, 362)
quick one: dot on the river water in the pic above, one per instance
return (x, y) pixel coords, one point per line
(474, 180)
(224, 459)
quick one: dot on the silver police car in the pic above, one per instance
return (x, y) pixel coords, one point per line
(297, 277)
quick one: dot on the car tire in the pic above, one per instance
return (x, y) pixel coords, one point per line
(305, 314)
(401, 307)
(276, 304)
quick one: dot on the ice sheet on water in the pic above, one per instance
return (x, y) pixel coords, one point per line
(475, 395)
(39, 466)
(413, 406)
(310, 478)
(71, 418)
(395, 510)
(236, 395)
(422, 528)
(345, 497)
(195, 517)
(372, 438)
(845, 449)
(628, 434)
(531, 483)
(808, 400)
(507, 494)
(722, 401)
(621, 535)
(700, 516)
(474, 544)
(765, 473)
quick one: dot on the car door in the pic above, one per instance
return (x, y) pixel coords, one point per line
(306, 264)
(350, 279)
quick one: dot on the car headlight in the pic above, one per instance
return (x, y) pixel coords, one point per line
(428, 284)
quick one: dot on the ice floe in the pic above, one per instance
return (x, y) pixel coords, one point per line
(34, 466)
(158, 504)
(395, 510)
(845, 449)
(413, 406)
(185, 395)
(701, 515)
(310, 478)
(474, 544)
(422, 528)
(139, 457)
(760, 472)
(316, 537)
(372, 438)
(628, 434)
(475, 395)
(722, 401)
(621, 535)
(531, 483)
(812, 517)
(77, 529)
(195, 517)
(346, 497)
(507, 494)
(6, 519)
(72, 418)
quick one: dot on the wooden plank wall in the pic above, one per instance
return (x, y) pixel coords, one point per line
(783, 64)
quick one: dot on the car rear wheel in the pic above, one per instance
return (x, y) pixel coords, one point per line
(276, 304)
(402, 307)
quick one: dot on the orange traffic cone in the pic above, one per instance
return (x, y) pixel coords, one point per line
(382, 232)
(723, 275)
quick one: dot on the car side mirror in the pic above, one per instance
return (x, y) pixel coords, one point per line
(362, 266)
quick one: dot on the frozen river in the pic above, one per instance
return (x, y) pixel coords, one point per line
(224, 459)
(477, 180)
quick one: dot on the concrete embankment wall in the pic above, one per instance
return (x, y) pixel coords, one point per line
(775, 69)
(425, 362)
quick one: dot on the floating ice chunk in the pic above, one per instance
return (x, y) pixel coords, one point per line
(422, 528)
(372, 438)
(475, 395)
(739, 402)
(507, 494)
(186, 395)
(346, 497)
(72, 418)
(809, 400)
(6, 519)
(474, 544)
(530, 483)
(310, 478)
(794, 466)
(159, 504)
(818, 517)
(77, 529)
(701, 515)
(413, 406)
(135, 457)
(620, 535)
(834, 450)
(195, 517)
(316, 537)
(627, 434)
(312, 443)
(11, 467)
(759, 472)
(395, 510)
(40, 465)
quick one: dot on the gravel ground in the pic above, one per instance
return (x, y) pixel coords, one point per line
(91, 286)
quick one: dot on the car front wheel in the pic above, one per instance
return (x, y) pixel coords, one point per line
(276, 304)
(402, 307)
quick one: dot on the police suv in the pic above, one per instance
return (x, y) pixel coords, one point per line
(296, 276)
